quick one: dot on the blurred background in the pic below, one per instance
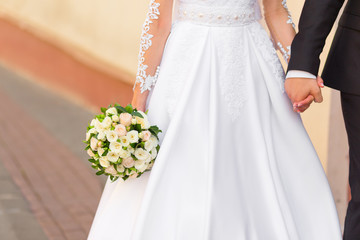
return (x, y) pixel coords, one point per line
(59, 61)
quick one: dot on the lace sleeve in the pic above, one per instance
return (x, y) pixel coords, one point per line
(155, 31)
(280, 24)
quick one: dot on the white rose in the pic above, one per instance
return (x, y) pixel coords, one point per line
(143, 122)
(93, 143)
(100, 151)
(99, 126)
(130, 149)
(148, 159)
(141, 165)
(101, 135)
(141, 154)
(112, 156)
(145, 135)
(125, 119)
(115, 118)
(104, 162)
(111, 136)
(133, 121)
(92, 123)
(93, 130)
(111, 170)
(120, 130)
(151, 143)
(124, 153)
(115, 147)
(128, 162)
(133, 136)
(90, 153)
(106, 123)
(112, 111)
(124, 140)
(153, 153)
(120, 168)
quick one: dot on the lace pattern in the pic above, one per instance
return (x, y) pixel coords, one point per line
(286, 53)
(147, 81)
(266, 48)
(232, 81)
(289, 21)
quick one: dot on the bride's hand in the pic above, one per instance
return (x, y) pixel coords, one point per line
(139, 99)
(140, 105)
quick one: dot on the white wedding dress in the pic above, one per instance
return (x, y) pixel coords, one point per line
(235, 160)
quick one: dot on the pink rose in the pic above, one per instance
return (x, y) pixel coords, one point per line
(125, 119)
(133, 175)
(128, 162)
(111, 170)
(120, 130)
(145, 135)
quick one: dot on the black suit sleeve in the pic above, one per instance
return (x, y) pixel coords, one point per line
(316, 21)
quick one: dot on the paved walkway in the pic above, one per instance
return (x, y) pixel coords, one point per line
(41, 150)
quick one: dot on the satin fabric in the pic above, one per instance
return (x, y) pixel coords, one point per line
(232, 164)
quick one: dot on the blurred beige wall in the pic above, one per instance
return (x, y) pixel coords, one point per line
(106, 30)
(109, 30)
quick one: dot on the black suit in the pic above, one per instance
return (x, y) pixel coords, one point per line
(342, 72)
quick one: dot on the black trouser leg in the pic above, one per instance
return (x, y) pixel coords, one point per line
(351, 110)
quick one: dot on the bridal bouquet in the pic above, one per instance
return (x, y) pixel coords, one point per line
(121, 142)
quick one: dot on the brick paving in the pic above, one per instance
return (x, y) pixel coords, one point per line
(62, 191)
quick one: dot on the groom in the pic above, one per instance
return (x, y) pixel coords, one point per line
(341, 72)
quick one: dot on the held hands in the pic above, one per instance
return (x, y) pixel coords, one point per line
(303, 91)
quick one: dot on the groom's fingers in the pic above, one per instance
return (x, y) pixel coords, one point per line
(320, 82)
(316, 92)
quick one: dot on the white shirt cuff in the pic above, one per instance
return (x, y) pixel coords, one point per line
(299, 74)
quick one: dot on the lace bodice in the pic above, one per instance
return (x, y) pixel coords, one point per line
(225, 13)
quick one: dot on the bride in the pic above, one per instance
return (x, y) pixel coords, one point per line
(235, 160)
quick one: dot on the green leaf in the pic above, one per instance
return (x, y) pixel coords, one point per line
(133, 145)
(103, 110)
(100, 173)
(129, 108)
(87, 147)
(105, 152)
(92, 160)
(137, 127)
(100, 117)
(121, 109)
(137, 114)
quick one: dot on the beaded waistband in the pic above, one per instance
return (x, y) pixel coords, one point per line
(218, 16)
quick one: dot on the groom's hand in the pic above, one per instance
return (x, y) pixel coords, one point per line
(305, 104)
(300, 89)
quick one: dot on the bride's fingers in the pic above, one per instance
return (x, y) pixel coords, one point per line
(306, 101)
(320, 81)
(303, 108)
